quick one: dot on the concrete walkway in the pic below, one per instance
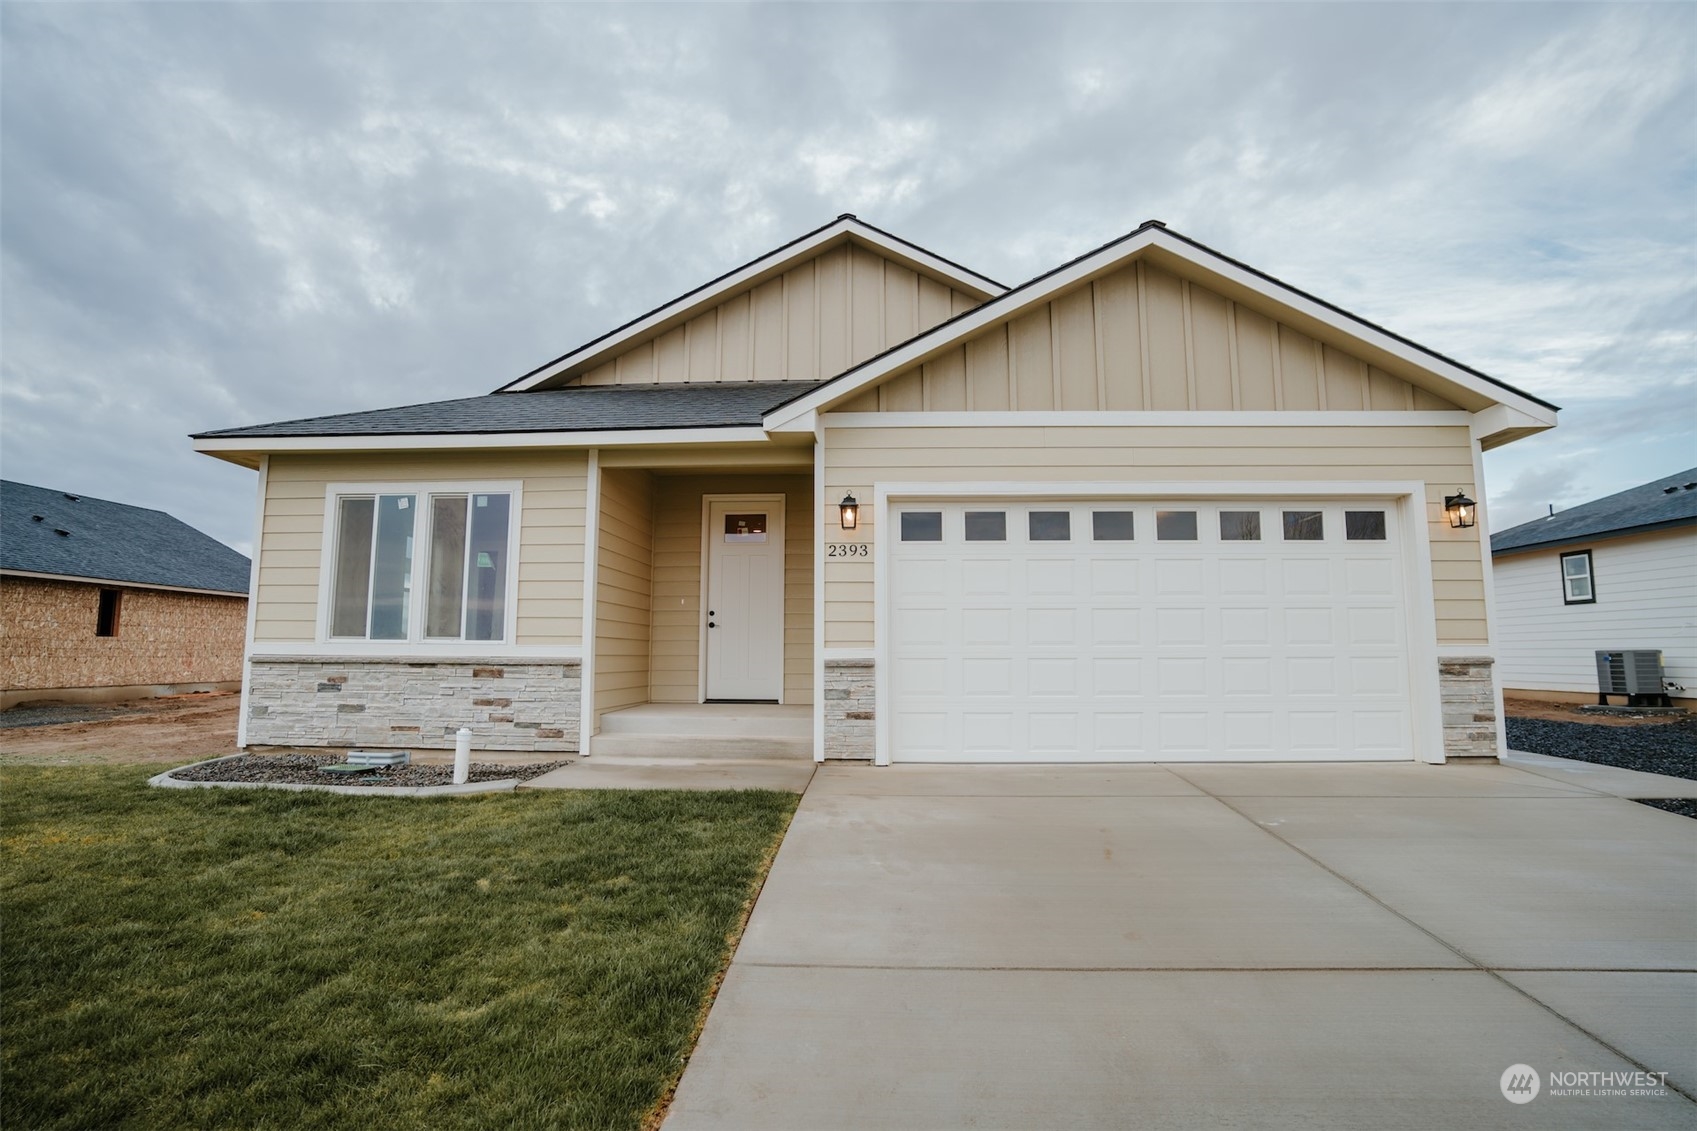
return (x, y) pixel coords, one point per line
(1344, 946)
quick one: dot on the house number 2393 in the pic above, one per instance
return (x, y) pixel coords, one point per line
(848, 549)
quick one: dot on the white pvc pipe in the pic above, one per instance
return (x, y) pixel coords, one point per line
(462, 756)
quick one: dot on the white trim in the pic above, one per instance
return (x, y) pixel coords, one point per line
(1489, 423)
(1188, 419)
(1466, 652)
(421, 490)
(434, 651)
(1482, 524)
(1425, 704)
(739, 434)
(843, 229)
(115, 583)
(818, 591)
(778, 502)
(1003, 309)
(828, 654)
(586, 719)
(252, 602)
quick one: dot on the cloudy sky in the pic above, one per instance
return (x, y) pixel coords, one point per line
(222, 214)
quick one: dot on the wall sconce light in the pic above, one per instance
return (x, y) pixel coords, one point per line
(850, 512)
(1460, 510)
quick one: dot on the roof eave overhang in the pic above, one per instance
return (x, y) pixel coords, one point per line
(121, 583)
(247, 450)
(845, 229)
(1376, 346)
(1599, 536)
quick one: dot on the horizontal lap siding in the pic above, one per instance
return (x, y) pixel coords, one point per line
(1440, 457)
(675, 663)
(550, 566)
(1646, 590)
(813, 321)
(1143, 339)
(623, 588)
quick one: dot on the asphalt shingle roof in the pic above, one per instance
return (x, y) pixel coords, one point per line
(1666, 502)
(576, 408)
(81, 536)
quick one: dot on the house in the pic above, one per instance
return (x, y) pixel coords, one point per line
(1150, 505)
(1613, 574)
(101, 601)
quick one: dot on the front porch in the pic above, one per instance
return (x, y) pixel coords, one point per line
(699, 606)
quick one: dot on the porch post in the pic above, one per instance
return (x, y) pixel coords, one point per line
(591, 554)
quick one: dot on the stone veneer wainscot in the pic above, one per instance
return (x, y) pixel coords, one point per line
(849, 705)
(317, 701)
(1470, 707)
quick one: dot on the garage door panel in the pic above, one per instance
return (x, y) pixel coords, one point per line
(1197, 647)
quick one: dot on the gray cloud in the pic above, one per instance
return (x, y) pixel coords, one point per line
(219, 214)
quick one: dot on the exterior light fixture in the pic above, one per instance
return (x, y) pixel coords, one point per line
(850, 512)
(1460, 510)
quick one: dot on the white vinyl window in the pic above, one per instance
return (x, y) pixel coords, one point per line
(427, 563)
(1576, 582)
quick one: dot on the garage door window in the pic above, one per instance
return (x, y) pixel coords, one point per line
(1304, 526)
(986, 526)
(1051, 526)
(1240, 526)
(1111, 526)
(1175, 526)
(922, 526)
(1364, 526)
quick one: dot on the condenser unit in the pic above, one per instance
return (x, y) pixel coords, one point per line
(1635, 673)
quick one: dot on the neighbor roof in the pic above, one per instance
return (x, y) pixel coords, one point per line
(1654, 506)
(574, 408)
(43, 531)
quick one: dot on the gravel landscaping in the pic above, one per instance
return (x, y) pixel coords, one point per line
(303, 769)
(1684, 806)
(1654, 748)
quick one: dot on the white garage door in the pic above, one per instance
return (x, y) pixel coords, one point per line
(1134, 631)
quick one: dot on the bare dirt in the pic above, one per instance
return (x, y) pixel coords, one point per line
(176, 729)
(1570, 713)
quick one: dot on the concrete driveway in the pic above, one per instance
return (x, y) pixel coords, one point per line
(1344, 946)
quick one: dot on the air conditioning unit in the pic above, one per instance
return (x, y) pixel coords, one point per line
(1635, 673)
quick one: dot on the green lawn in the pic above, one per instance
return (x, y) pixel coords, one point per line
(258, 958)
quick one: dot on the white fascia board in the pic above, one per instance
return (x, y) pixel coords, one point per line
(1456, 418)
(1010, 306)
(401, 652)
(1500, 419)
(775, 262)
(116, 583)
(505, 441)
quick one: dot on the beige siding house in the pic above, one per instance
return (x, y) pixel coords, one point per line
(1153, 505)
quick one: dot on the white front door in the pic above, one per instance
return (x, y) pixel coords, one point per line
(745, 598)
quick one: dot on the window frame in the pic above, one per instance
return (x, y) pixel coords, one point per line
(423, 493)
(108, 612)
(1567, 597)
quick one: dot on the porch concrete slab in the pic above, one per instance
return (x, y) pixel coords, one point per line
(1370, 779)
(1602, 779)
(866, 780)
(1651, 1016)
(823, 1048)
(1589, 882)
(1060, 882)
(784, 776)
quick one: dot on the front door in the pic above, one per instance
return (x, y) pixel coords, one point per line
(744, 621)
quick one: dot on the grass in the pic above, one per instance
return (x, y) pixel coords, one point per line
(267, 959)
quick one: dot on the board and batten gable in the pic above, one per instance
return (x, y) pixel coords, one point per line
(549, 594)
(810, 322)
(1144, 339)
(1646, 597)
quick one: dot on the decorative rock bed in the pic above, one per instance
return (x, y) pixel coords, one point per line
(1654, 748)
(304, 771)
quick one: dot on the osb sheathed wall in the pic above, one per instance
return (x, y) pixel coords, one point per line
(47, 637)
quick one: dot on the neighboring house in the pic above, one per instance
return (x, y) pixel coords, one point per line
(105, 601)
(1610, 575)
(1151, 505)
